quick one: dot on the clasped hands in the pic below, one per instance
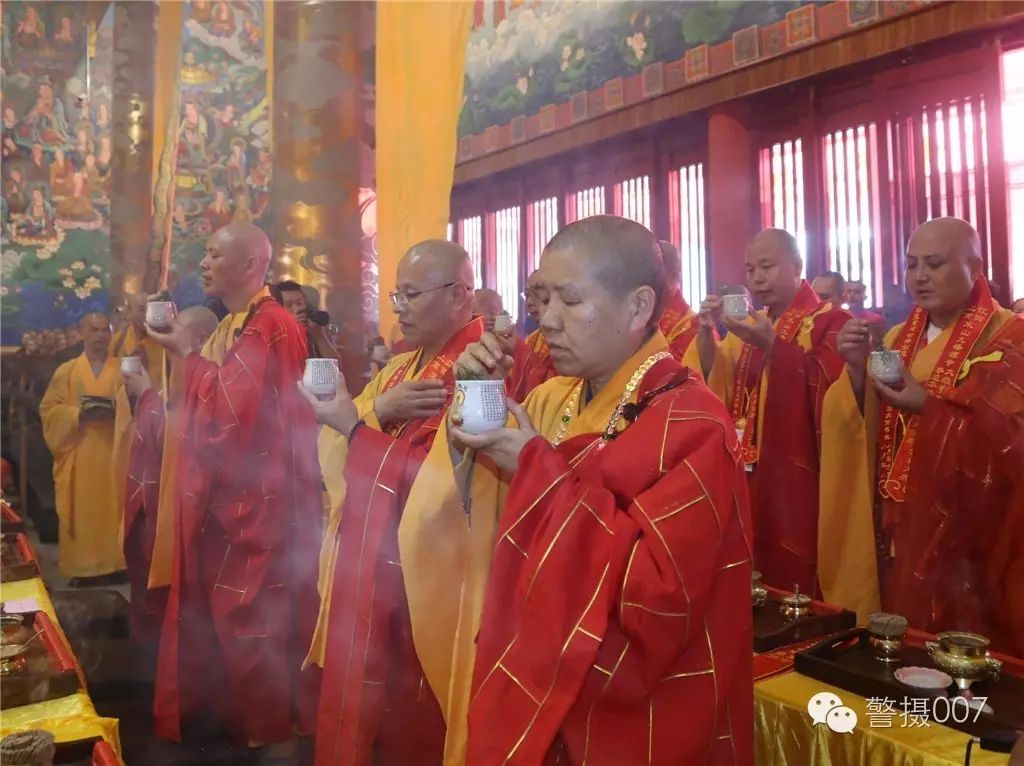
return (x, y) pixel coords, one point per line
(854, 343)
(758, 332)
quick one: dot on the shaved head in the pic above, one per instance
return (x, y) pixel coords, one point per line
(673, 264)
(780, 241)
(198, 322)
(434, 292)
(439, 257)
(621, 254)
(602, 290)
(952, 235)
(93, 319)
(95, 331)
(774, 267)
(487, 302)
(943, 263)
(236, 263)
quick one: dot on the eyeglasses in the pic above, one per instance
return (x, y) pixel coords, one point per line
(400, 299)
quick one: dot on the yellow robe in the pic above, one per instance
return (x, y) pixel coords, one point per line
(445, 561)
(90, 519)
(127, 343)
(847, 563)
(727, 354)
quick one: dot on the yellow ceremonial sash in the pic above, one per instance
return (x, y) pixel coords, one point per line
(446, 549)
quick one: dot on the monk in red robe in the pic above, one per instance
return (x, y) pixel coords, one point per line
(539, 367)
(142, 493)
(526, 372)
(678, 323)
(772, 372)
(367, 470)
(926, 511)
(242, 599)
(581, 586)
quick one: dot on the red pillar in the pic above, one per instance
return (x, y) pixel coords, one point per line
(732, 193)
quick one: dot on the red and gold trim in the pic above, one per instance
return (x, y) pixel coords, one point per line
(898, 430)
(746, 392)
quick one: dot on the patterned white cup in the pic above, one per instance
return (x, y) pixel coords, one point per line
(160, 314)
(320, 377)
(479, 405)
(736, 306)
(131, 365)
(886, 366)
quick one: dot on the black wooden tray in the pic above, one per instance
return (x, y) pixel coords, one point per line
(772, 630)
(847, 661)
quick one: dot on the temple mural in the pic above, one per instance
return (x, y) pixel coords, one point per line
(223, 166)
(56, 104)
(533, 67)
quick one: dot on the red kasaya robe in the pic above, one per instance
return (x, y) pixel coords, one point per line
(243, 599)
(616, 626)
(776, 405)
(679, 324)
(380, 704)
(959, 537)
(533, 365)
(142, 495)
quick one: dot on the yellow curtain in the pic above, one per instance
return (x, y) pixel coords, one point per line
(421, 52)
(170, 26)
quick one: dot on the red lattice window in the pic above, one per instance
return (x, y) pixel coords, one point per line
(686, 218)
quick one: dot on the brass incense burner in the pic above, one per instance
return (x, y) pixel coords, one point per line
(758, 593)
(13, 630)
(964, 656)
(796, 606)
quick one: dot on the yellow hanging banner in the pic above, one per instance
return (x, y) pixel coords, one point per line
(421, 54)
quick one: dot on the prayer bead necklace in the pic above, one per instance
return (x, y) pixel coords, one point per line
(609, 432)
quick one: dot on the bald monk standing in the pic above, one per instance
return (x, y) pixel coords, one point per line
(77, 413)
(581, 585)
(772, 372)
(398, 414)
(526, 372)
(148, 405)
(923, 480)
(242, 599)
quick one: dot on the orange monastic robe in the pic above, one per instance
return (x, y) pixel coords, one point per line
(90, 517)
(679, 325)
(383, 706)
(242, 599)
(775, 404)
(531, 366)
(929, 521)
(585, 606)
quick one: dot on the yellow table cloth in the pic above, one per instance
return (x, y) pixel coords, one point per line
(785, 735)
(67, 718)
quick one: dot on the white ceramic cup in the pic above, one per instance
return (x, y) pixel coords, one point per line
(479, 405)
(131, 365)
(320, 377)
(503, 324)
(380, 353)
(886, 366)
(160, 314)
(736, 306)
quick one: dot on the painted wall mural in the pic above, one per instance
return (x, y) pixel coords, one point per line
(56, 97)
(536, 66)
(223, 164)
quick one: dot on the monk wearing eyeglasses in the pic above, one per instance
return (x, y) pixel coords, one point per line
(578, 585)
(397, 415)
